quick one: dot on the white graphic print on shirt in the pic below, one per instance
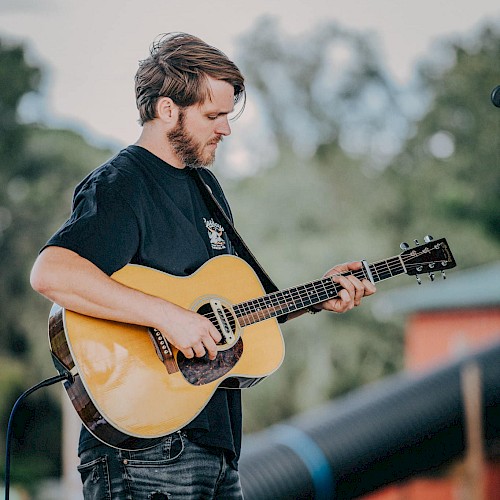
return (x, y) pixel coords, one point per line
(215, 231)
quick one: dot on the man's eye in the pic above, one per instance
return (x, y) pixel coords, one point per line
(212, 117)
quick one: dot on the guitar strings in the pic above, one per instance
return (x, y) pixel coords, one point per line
(272, 304)
(295, 298)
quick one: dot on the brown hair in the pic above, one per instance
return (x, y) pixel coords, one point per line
(178, 67)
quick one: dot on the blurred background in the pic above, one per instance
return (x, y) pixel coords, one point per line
(367, 123)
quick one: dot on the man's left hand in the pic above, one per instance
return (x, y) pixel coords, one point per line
(353, 289)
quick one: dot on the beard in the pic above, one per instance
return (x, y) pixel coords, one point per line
(187, 148)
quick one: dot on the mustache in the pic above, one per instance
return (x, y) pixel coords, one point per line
(216, 140)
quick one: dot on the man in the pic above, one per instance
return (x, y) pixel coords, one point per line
(143, 206)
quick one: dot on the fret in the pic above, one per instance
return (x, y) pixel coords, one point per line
(321, 291)
(285, 301)
(383, 270)
(375, 274)
(387, 269)
(397, 266)
(246, 313)
(324, 291)
(298, 297)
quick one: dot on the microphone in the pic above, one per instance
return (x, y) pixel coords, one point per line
(495, 96)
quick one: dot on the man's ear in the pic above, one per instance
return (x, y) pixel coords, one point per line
(167, 110)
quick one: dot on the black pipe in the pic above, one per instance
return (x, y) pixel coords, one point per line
(383, 433)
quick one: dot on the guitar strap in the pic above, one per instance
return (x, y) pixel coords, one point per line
(239, 245)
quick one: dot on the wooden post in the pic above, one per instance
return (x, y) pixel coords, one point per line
(72, 485)
(472, 487)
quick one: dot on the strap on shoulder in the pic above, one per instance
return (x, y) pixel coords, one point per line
(240, 246)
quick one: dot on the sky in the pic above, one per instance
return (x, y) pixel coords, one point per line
(89, 50)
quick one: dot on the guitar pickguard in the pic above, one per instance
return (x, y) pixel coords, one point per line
(201, 371)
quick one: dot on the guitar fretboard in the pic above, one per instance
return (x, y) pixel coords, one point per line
(299, 297)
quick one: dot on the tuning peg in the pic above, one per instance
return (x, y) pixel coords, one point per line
(404, 245)
(416, 242)
(428, 238)
(419, 281)
(431, 276)
(443, 274)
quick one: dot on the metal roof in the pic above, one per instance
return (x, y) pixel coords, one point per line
(471, 288)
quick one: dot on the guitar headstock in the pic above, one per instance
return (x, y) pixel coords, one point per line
(433, 256)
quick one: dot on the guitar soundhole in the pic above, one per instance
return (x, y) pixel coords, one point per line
(200, 371)
(206, 310)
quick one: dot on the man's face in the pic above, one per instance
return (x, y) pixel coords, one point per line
(200, 127)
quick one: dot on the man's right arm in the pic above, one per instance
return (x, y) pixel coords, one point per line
(76, 284)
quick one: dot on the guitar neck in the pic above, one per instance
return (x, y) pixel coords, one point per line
(296, 298)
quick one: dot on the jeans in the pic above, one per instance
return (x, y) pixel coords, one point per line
(174, 469)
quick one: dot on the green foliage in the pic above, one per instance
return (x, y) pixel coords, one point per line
(333, 193)
(327, 87)
(17, 78)
(447, 177)
(39, 168)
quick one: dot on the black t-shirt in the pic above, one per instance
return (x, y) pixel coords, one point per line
(138, 209)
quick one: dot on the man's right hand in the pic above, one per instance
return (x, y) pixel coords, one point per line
(190, 332)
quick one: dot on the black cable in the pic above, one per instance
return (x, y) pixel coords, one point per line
(44, 383)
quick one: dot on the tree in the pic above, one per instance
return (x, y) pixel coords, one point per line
(327, 87)
(38, 170)
(17, 78)
(447, 174)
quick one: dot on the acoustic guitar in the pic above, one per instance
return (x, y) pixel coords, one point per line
(130, 387)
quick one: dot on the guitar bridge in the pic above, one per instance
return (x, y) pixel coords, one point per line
(163, 350)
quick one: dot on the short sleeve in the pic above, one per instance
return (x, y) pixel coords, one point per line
(102, 228)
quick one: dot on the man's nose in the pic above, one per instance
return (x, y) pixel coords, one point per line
(223, 127)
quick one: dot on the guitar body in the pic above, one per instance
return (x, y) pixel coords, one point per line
(124, 392)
